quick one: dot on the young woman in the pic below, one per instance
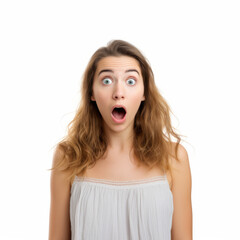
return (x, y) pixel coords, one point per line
(118, 174)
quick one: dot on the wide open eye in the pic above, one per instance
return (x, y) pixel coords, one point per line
(131, 81)
(107, 81)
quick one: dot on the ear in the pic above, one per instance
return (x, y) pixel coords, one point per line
(143, 98)
(92, 98)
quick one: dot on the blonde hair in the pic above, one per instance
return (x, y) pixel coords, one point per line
(86, 141)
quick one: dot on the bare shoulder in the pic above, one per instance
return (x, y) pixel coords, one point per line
(58, 156)
(57, 174)
(59, 224)
(182, 155)
(177, 166)
(181, 190)
(181, 173)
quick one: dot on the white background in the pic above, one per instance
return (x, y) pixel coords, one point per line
(193, 48)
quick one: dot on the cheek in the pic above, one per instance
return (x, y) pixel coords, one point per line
(100, 97)
(96, 94)
(137, 95)
(101, 101)
(135, 101)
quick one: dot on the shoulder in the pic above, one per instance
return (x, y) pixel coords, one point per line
(58, 156)
(181, 190)
(57, 174)
(178, 166)
(181, 173)
(59, 223)
(182, 155)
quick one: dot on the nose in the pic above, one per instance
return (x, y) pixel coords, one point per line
(118, 92)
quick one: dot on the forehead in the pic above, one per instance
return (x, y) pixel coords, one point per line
(120, 63)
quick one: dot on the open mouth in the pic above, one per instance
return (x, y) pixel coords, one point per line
(119, 113)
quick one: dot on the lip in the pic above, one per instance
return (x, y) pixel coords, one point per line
(119, 120)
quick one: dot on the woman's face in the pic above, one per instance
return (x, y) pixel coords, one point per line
(118, 84)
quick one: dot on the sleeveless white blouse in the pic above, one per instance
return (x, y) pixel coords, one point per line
(103, 209)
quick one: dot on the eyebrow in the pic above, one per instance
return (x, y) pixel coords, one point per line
(109, 70)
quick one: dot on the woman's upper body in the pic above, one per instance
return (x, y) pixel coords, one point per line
(121, 124)
(179, 182)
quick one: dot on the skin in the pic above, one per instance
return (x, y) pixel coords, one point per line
(118, 87)
(59, 219)
(181, 190)
(110, 88)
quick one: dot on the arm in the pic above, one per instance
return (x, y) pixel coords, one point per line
(181, 189)
(59, 221)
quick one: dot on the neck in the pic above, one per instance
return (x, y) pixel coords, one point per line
(121, 141)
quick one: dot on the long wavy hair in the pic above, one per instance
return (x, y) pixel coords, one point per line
(86, 142)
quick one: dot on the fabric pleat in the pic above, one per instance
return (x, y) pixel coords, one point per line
(103, 209)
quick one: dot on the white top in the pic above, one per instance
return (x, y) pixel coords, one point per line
(103, 209)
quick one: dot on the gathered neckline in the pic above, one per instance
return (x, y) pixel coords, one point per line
(122, 182)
